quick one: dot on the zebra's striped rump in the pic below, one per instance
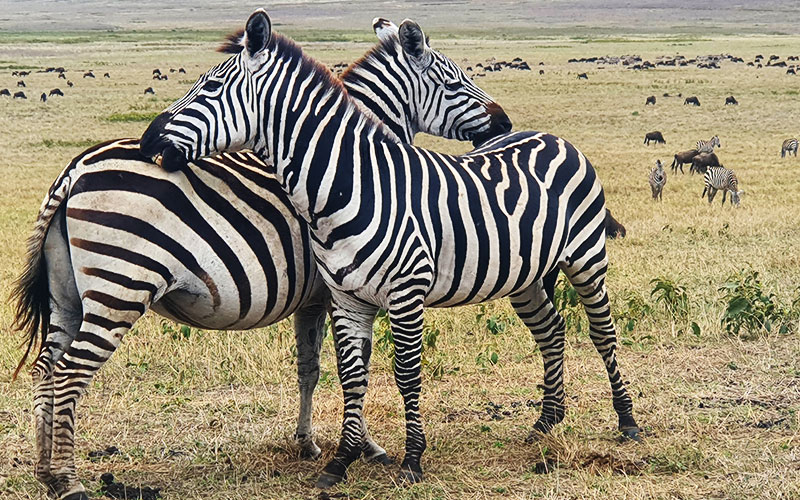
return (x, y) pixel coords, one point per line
(398, 227)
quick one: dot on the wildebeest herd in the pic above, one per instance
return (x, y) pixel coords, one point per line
(366, 239)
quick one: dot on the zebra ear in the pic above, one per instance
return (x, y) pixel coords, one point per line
(413, 41)
(259, 31)
(385, 29)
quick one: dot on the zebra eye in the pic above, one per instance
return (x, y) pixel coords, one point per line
(452, 86)
(212, 85)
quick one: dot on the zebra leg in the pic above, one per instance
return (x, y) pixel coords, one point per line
(724, 194)
(539, 314)
(588, 275)
(352, 332)
(106, 319)
(63, 328)
(406, 320)
(309, 326)
(309, 329)
(712, 192)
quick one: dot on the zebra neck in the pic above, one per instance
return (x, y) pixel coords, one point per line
(388, 105)
(318, 141)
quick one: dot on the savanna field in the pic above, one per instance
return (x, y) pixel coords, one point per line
(706, 297)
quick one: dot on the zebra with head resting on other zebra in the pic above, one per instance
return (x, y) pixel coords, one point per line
(709, 145)
(721, 178)
(217, 246)
(403, 228)
(789, 146)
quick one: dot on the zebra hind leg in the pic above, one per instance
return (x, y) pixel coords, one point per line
(539, 314)
(106, 319)
(588, 276)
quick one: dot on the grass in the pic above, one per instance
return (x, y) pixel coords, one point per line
(210, 415)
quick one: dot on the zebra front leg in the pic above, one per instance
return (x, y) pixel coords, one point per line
(406, 321)
(106, 320)
(539, 314)
(712, 192)
(352, 333)
(588, 278)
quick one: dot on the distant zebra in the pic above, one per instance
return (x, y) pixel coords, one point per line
(708, 146)
(721, 178)
(399, 227)
(658, 179)
(789, 146)
(218, 246)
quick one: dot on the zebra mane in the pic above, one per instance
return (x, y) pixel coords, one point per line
(233, 43)
(382, 50)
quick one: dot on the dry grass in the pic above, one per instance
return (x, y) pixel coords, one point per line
(212, 416)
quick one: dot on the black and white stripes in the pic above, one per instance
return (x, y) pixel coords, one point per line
(789, 146)
(708, 146)
(402, 228)
(721, 178)
(217, 246)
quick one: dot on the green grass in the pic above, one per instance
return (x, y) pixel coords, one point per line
(132, 117)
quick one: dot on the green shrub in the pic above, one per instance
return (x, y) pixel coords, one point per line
(750, 310)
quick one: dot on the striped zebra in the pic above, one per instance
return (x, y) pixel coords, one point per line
(709, 145)
(402, 228)
(789, 146)
(217, 246)
(658, 179)
(721, 178)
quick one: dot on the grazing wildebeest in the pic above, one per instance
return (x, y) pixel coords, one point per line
(56, 92)
(21, 83)
(613, 228)
(790, 71)
(541, 71)
(583, 76)
(692, 100)
(69, 83)
(654, 136)
(20, 95)
(88, 74)
(181, 70)
(62, 76)
(149, 90)
(5, 92)
(157, 71)
(731, 100)
(681, 158)
(43, 97)
(106, 75)
(650, 100)
(702, 161)
(657, 179)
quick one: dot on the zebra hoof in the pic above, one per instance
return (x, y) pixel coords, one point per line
(410, 476)
(310, 452)
(633, 433)
(81, 495)
(326, 480)
(382, 459)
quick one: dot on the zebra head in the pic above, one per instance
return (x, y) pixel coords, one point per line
(428, 90)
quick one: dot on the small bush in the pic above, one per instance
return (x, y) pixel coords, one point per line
(750, 310)
(672, 297)
(568, 304)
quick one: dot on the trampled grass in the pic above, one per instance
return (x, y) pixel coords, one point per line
(210, 415)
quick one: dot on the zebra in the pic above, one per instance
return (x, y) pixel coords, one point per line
(402, 228)
(658, 179)
(218, 246)
(789, 146)
(721, 178)
(708, 146)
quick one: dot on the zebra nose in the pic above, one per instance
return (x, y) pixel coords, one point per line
(500, 123)
(152, 142)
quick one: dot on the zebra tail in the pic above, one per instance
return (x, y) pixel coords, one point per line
(31, 291)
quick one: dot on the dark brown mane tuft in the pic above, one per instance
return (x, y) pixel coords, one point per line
(232, 43)
(288, 46)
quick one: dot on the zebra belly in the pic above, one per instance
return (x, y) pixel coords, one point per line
(223, 252)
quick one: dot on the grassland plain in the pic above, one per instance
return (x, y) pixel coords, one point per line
(210, 415)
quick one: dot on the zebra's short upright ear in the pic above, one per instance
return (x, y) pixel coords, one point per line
(414, 42)
(259, 31)
(385, 29)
